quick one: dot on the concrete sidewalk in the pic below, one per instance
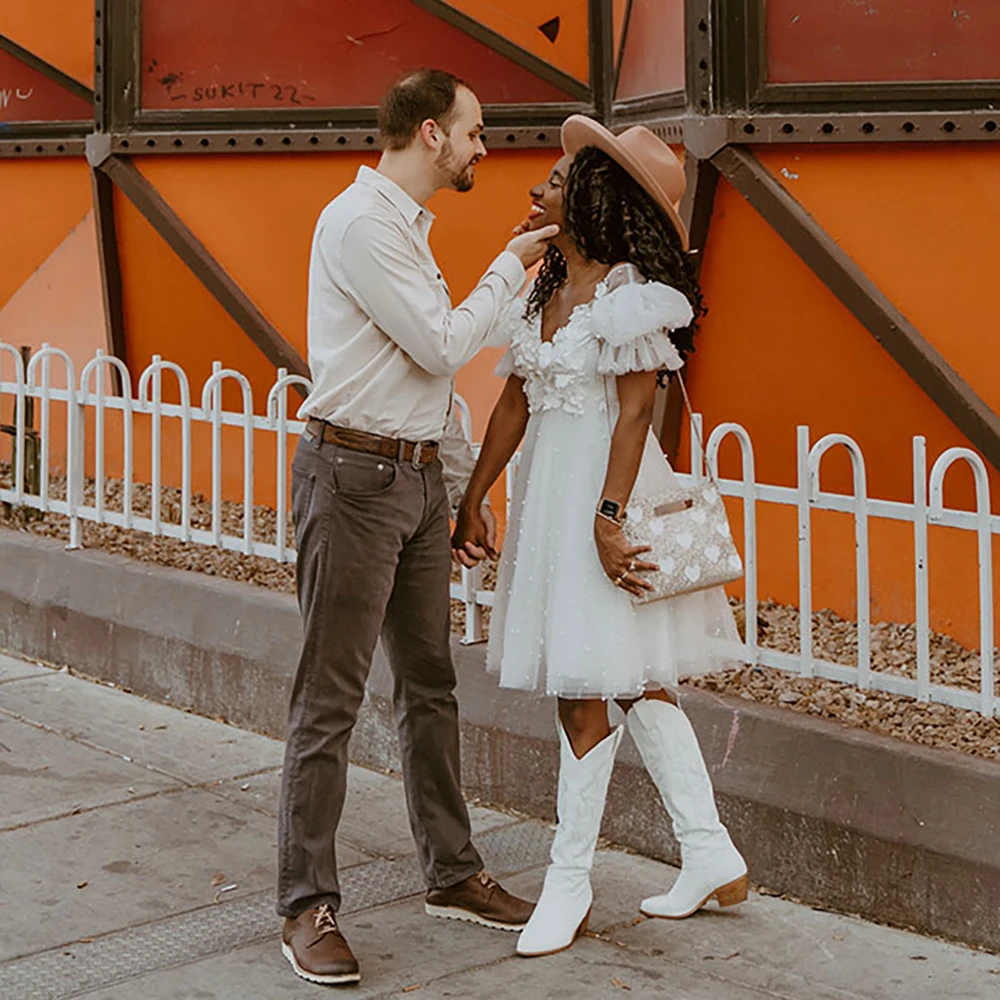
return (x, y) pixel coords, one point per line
(137, 852)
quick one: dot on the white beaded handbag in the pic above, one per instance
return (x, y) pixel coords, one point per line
(688, 533)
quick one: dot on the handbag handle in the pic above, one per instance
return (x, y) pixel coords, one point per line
(694, 423)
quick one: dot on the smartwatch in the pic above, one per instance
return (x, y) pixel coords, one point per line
(612, 510)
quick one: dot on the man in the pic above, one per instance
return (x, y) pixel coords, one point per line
(381, 453)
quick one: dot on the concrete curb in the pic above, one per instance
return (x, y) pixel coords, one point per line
(837, 817)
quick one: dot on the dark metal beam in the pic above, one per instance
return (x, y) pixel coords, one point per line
(705, 135)
(110, 263)
(117, 30)
(733, 52)
(202, 264)
(505, 47)
(641, 110)
(104, 77)
(696, 213)
(699, 55)
(278, 140)
(603, 79)
(305, 119)
(870, 306)
(67, 82)
(27, 148)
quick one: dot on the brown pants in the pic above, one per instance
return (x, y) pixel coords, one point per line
(373, 558)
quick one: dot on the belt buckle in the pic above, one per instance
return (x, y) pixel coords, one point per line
(417, 452)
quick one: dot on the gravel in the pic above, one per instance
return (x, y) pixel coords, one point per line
(893, 646)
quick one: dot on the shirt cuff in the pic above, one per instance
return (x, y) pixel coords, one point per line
(510, 268)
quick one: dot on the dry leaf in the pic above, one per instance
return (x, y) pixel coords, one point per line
(620, 984)
(218, 878)
(82, 885)
(85, 940)
(410, 989)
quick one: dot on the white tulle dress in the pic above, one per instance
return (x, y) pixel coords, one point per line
(559, 624)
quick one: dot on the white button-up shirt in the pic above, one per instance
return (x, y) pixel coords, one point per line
(384, 340)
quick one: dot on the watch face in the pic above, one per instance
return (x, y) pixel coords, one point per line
(610, 508)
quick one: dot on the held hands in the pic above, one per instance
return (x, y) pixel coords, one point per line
(530, 246)
(475, 535)
(619, 559)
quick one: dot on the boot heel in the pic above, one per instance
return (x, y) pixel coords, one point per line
(733, 892)
(582, 929)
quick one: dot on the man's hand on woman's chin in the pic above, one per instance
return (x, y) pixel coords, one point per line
(475, 535)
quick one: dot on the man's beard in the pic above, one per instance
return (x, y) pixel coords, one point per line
(461, 179)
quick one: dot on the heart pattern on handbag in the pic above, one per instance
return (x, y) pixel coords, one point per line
(689, 540)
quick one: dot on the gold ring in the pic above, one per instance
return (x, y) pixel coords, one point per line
(621, 579)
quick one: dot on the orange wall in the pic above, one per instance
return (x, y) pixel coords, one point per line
(40, 202)
(256, 215)
(777, 349)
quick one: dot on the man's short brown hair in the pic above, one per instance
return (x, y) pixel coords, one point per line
(423, 94)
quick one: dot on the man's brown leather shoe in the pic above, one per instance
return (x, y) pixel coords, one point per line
(480, 900)
(316, 949)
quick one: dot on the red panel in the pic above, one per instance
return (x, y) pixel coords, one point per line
(824, 41)
(28, 96)
(653, 59)
(310, 53)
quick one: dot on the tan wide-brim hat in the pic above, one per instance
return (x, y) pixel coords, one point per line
(649, 160)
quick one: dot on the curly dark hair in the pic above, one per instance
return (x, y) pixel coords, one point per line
(612, 219)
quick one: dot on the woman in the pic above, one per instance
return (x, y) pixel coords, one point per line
(615, 302)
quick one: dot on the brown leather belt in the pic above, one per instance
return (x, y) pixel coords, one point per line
(417, 453)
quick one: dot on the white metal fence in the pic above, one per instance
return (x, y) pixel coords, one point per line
(87, 394)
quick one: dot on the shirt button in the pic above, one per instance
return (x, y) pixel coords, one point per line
(439, 275)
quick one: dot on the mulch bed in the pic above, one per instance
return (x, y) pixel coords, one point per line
(893, 646)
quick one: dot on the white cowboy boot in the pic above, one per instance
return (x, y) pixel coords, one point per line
(561, 914)
(711, 867)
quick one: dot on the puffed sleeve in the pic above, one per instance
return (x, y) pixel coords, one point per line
(633, 320)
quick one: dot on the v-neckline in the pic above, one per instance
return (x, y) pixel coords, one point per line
(572, 313)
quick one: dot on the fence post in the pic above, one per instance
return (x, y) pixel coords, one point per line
(921, 587)
(984, 537)
(32, 477)
(805, 553)
(862, 572)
